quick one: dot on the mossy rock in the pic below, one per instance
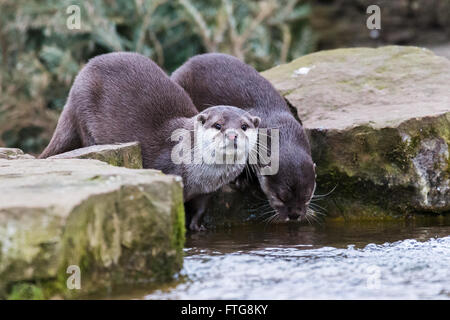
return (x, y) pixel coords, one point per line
(13, 153)
(128, 155)
(119, 226)
(379, 126)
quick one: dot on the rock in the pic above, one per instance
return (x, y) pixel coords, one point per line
(119, 226)
(127, 155)
(13, 153)
(441, 50)
(379, 125)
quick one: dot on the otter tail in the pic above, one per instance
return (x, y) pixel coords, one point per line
(65, 137)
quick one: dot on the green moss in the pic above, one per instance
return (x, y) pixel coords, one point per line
(129, 157)
(373, 172)
(95, 250)
(448, 168)
(115, 161)
(178, 238)
(26, 291)
(400, 154)
(372, 164)
(39, 289)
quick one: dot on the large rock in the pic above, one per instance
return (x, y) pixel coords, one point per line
(126, 155)
(13, 154)
(120, 226)
(379, 124)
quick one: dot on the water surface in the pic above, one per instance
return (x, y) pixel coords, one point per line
(383, 260)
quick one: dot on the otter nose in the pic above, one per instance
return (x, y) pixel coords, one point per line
(294, 215)
(297, 214)
(232, 136)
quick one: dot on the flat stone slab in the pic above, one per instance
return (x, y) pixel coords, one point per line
(13, 154)
(119, 226)
(127, 155)
(344, 88)
(379, 126)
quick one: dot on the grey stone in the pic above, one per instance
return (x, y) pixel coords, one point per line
(127, 155)
(119, 226)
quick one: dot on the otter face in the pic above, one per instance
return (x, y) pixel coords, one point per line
(227, 134)
(290, 190)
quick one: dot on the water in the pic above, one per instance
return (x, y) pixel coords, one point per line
(384, 260)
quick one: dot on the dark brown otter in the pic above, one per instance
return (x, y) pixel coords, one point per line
(122, 97)
(216, 78)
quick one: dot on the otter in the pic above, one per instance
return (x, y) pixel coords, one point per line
(124, 96)
(216, 78)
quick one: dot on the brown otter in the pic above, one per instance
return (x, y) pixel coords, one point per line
(222, 79)
(122, 97)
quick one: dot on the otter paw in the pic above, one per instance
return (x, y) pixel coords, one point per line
(195, 227)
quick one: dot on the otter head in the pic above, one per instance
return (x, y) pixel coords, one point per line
(290, 190)
(226, 132)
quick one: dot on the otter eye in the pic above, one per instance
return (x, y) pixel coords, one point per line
(217, 126)
(244, 127)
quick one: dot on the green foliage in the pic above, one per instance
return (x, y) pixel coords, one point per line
(40, 56)
(26, 291)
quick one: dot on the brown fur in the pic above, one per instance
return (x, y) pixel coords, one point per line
(215, 78)
(123, 97)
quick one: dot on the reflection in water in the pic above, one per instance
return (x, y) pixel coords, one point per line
(391, 260)
(336, 234)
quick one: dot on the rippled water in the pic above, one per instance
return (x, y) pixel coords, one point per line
(391, 260)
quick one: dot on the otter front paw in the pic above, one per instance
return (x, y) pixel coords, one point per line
(196, 227)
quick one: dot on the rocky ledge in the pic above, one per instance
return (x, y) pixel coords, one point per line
(126, 155)
(118, 226)
(13, 154)
(379, 126)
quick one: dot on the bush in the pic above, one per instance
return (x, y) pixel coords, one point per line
(40, 56)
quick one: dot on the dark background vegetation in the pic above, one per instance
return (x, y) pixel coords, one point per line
(40, 56)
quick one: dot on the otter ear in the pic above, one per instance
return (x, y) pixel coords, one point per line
(202, 118)
(256, 121)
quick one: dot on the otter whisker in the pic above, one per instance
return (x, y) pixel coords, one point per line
(312, 214)
(257, 196)
(315, 206)
(264, 206)
(318, 220)
(306, 216)
(319, 213)
(273, 217)
(324, 195)
(315, 219)
(268, 212)
(267, 209)
(261, 199)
